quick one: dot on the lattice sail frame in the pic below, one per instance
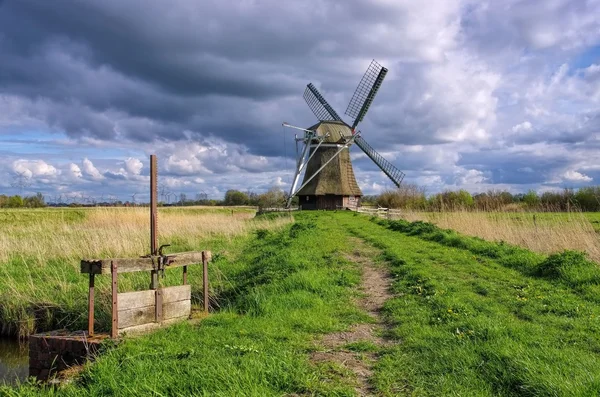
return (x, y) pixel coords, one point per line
(365, 92)
(395, 175)
(319, 106)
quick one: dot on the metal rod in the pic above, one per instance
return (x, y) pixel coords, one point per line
(297, 128)
(348, 143)
(297, 152)
(158, 308)
(91, 306)
(321, 140)
(114, 331)
(299, 166)
(205, 280)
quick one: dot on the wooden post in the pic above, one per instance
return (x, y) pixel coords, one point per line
(153, 218)
(153, 205)
(205, 280)
(91, 306)
(114, 332)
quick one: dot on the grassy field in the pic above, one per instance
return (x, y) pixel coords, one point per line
(545, 232)
(40, 284)
(467, 318)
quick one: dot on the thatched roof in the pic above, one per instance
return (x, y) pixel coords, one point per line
(338, 176)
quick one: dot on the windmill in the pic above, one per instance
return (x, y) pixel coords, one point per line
(329, 180)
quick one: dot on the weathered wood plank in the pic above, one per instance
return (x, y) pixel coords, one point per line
(177, 309)
(176, 294)
(133, 300)
(137, 316)
(145, 328)
(127, 265)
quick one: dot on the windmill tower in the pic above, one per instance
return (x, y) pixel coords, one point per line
(329, 181)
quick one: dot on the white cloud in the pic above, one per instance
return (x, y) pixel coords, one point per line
(279, 182)
(133, 166)
(524, 126)
(469, 177)
(91, 170)
(34, 168)
(575, 176)
(75, 170)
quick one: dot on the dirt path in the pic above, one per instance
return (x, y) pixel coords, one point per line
(375, 291)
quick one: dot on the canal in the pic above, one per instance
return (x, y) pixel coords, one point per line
(14, 361)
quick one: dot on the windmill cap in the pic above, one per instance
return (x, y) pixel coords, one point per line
(338, 131)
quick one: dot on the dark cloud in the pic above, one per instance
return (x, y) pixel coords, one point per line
(221, 76)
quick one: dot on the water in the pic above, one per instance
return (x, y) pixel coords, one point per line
(14, 361)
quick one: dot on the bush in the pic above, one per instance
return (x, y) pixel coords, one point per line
(588, 198)
(570, 266)
(407, 196)
(450, 200)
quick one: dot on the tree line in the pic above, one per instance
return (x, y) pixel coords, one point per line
(408, 196)
(413, 197)
(272, 198)
(16, 201)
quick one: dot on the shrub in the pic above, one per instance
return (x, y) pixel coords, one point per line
(570, 266)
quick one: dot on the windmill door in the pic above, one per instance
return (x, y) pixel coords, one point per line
(329, 202)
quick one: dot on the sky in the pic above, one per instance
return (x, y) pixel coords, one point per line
(479, 95)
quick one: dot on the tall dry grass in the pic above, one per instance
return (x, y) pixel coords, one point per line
(541, 232)
(119, 232)
(40, 284)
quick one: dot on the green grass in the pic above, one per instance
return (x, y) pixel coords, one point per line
(481, 319)
(468, 318)
(276, 294)
(594, 218)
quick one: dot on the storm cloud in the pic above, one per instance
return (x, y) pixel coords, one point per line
(479, 94)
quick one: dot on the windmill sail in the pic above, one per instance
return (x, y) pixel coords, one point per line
(388, 168)
(319, 105)
(365, 92)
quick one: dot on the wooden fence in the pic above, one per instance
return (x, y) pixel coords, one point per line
(385, 213)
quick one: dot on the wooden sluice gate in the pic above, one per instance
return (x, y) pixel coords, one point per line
(141, 311)
(131, 312)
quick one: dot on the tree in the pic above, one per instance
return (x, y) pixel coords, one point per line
(15, 202)
(235, 197)
(36, 201)
(531, 199)
(588, 198)
(275, 197)
(252, 197)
